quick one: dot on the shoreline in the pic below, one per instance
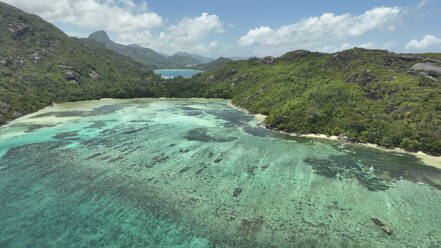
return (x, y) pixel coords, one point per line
(428, 160)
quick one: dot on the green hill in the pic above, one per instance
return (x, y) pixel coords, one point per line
(39, 64)
(370, 96)
(146, 56)
(362, 95)
(212, 65)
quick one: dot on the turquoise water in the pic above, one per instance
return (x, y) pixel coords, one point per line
(199, 173)
(171, 73)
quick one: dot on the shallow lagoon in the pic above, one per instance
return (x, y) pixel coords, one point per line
(199, 173)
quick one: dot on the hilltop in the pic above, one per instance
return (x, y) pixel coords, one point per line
(369, 96)
(39, 64)
(147, 56)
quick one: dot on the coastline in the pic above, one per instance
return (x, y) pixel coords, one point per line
(429, 160)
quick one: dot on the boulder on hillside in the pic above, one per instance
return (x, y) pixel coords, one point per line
(269, 60)
(5, 107)
(429, 68)
(95, 76)
(72, 76)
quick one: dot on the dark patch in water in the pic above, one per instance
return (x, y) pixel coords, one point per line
(341, 167)
(97, 124)
(233, 116)
(200, 134)
(256, 131)
(251, 169)
(116, 159)
(237, 192)
(190, 109)
(94, 156)
(136, 130)
(66, 135)
(193, 113)
(375, 170)
(184, 170)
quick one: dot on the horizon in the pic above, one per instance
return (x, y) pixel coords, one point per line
(215, 29)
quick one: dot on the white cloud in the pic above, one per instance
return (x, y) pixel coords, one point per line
(189, 34)
(428, 43)
(314, 31)
(421, 4)
(111, 15)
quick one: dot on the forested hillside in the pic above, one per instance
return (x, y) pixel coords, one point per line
(362, 95)
(39, 64)
(371, 96)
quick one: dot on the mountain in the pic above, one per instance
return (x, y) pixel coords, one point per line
(195, 56)
(146, 56)
(212, 65)
(40, 65)
(369, 96)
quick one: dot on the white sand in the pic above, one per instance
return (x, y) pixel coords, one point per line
(427, 159)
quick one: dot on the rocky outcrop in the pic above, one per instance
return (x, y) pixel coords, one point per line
(95, 76)
(4, 107)
(291, 56)
(362, 78)
(65, 67)
(18, 29)
(429, 68)
(6, 62)
(344, 137)
(72, 76)
(269, 60)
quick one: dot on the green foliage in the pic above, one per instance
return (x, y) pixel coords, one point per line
(370, 95)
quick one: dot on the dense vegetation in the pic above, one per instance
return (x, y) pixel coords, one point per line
(371, 96)
(147, 56)
(367, 95)
(39, 65)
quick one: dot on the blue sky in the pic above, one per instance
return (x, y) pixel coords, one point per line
(250, 28)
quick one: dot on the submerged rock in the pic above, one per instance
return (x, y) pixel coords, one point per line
(387, 230)
(377, 221)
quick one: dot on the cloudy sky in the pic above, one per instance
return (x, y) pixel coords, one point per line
(250, 27)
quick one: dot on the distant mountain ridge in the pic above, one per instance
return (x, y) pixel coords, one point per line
(147, 56)
(195, 56)
(213, 64)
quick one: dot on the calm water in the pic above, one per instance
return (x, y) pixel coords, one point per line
(171, 73)
(199, 173)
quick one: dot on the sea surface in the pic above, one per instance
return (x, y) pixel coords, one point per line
(200, 173)
(172, 73)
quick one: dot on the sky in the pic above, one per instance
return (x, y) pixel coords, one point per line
(245, 28)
